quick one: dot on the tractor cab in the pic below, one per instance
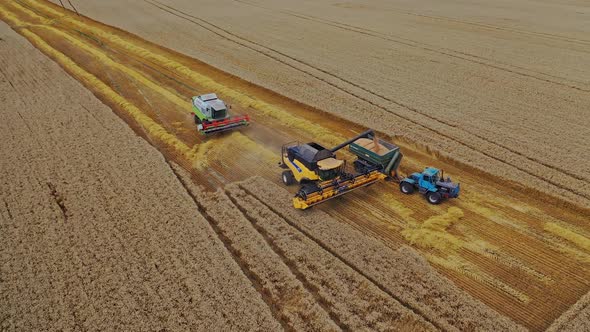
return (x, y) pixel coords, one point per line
(428, 179)
(432, 184)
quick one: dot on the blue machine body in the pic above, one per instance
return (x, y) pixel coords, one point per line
(429, 182)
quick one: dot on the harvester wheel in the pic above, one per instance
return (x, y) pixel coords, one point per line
(434, 198)
(288, 178)
(197, 120)
(406, 188)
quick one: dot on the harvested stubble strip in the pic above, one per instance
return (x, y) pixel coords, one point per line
(356, 301)
(296, 305)
(402, 272)
(576, 318)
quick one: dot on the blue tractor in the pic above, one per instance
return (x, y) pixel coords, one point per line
(432, 184)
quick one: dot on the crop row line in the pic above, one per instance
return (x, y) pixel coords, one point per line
(235, 254)
(298, 274)
(423, 46)
(416, 311)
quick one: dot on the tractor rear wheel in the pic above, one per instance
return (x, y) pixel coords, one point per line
(288, 178)
(406, 188)
(434, 198)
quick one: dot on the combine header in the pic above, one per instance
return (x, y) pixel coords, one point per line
(323, 176)
(211, 115)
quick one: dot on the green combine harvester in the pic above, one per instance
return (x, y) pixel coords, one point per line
(212, 116)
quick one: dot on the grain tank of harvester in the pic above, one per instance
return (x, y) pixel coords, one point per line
(212, 116)
(322, 176)
(432, 184)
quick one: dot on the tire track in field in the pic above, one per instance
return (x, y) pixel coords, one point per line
(407, 305)
(292, 267)
(424, 46)
(575, 177)
(250, 275)
(71, 5)
(74, 8)
(546, 35)
(523, 169)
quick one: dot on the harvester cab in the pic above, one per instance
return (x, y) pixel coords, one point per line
(432, 184)
(309, 162)
(322, 176)
(212, 116)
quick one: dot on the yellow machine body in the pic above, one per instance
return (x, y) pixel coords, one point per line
(301, 172)
(323, 176)
(330, 190)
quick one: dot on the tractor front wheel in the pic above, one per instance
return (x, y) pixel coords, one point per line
(288, 178)
(434, 198)
(406, 188)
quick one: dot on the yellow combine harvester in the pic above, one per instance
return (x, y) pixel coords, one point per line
(323, 176)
